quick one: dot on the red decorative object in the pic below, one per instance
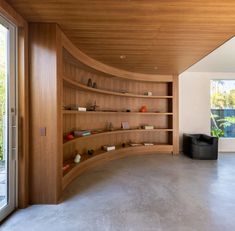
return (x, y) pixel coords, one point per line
(143, 109)
(65, 167)
(69, 136)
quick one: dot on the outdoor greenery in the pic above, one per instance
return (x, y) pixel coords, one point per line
(222, 99)
(2, 88)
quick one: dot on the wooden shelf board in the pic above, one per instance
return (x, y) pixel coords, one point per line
(116, 132)
(74, 84)
(99, 156)
(122, 113)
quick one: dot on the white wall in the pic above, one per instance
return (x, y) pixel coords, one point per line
(194, 105)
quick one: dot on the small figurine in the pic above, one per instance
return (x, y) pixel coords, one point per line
(94, 85)
(77, 158)
(93, 107)
(89, 83)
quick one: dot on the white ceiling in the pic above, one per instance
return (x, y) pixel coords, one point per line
(220, 60)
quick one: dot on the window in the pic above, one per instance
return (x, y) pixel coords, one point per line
(8, 117)
(223, 108)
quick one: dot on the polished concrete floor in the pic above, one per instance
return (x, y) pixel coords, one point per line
(142, 193)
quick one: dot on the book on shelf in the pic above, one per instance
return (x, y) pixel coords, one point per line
(80, 133)
(135, 144)
(108, 148)
(148, 144)
(148, 127)
(76, 108)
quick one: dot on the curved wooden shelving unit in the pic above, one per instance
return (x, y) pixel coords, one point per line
(61, 84)
(74, 84)
(100, 156)
(110, 112)
(116, 132)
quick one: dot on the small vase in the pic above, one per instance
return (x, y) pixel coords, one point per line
(143, 109)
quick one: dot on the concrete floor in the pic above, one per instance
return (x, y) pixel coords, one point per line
(142, 193)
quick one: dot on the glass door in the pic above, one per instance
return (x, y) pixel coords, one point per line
(8, 118)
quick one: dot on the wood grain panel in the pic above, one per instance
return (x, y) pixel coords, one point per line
(45, 158)
(170, 35)
(175, 115)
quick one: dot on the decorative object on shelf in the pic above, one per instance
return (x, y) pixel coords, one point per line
(108, 148)
(77, 158)
(77, 108)
(148, 144)
(109, 126)
(93, 107)
(128, 110)
(123, 145)
(125, 125)
(124, 91)
(148, 93)
(89, 83)
(135, 144)
(81, 133)
(67, 107)
(94, 85)
(90, 152)
(143, 109)
(69, 136)
(147, 127)
(65, 167)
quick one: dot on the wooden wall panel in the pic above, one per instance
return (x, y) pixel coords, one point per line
(45, 157)
(175, 115)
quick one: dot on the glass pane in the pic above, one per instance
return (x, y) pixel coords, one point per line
(223, 108)
(3, 117)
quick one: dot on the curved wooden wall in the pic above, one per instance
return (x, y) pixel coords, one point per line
(58, 77)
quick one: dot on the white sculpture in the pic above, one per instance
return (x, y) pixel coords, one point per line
(77, 158)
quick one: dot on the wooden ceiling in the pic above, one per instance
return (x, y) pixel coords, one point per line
(145, 36)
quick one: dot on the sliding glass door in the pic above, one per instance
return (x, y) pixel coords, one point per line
(8, 118)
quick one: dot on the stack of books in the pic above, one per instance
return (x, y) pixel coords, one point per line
(77, 108)
(82, 133)
(148, 127)
(108, 148)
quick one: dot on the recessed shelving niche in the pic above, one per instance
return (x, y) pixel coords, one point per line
(113, 97)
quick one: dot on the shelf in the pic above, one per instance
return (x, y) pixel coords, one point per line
(116, 132)
(122, 113)
(88, 161)
(74, 84)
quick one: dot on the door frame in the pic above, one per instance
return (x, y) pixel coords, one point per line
(12, 120)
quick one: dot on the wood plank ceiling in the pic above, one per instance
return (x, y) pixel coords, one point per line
(145, 36)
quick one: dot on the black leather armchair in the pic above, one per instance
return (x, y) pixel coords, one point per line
(200, 146)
